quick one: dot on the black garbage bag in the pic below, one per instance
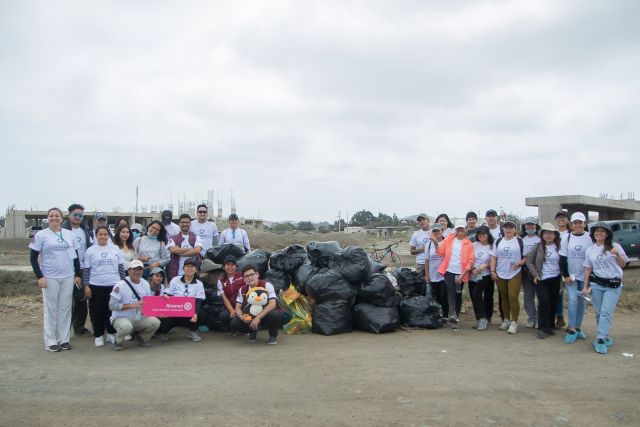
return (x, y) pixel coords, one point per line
(376, 290)
(218, 253)
(288, 259)
(258, 258)
(411, 283)
(321, 253)
(279, 279)
(328, 285)
(377, 267)
(377, 320)
(210, 313)
(301, 276)
(421, 312)
(353, 263)
(331, 317)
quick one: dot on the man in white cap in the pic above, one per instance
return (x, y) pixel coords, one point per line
(126, 303)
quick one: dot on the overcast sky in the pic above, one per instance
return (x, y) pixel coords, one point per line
(307, 108)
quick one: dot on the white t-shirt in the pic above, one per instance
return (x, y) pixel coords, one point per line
(604, 265)
(575, 249)
(551, 264)
(434, 263)
(506, 256)
(128, 255)
(240, 236)
(481, 255)
(208, 233)
(122, 294)
(455, 263)
(271, 293)
(57, 252)
(102, 262)
(419, 240)
(81, 237)
(529, 243)
(495, 232)
(448, 231)
(185, 245)
(178, 288)
(172, 229)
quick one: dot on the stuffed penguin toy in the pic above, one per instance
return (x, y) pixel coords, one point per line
(257, 299)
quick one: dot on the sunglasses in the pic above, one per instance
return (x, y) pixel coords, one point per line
(77, 215)
(246, 276)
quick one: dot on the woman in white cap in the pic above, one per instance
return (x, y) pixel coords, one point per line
(573, 248)
(543, 262)
(457, 251)
(603, 275)
(54, 259)
(507, 259)
(530, 239)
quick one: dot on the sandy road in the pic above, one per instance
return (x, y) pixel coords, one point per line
(403, 378)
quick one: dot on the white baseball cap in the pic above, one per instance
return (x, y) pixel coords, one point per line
(578, 216)
(136, 263)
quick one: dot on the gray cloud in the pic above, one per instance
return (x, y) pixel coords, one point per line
(308, 108)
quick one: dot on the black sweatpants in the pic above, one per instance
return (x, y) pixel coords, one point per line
(167, 323)
(271, 321)
(547, 291)
(99, 310)
(453, 298)
(439, 293)
(481, 294)
(79, 314)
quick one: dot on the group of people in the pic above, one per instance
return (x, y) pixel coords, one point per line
(545, 261)
(92, 270)
(115, 271)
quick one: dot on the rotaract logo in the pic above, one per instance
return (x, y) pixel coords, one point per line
(187, 306)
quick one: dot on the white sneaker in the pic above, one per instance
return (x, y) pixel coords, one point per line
(505, 325)
(513, 328)
(531, 324)
(193, 336)
(128, 337)
(111, 338)
(99, 342)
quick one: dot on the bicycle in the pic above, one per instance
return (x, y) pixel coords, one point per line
(386, 255)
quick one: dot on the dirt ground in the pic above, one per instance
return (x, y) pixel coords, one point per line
(419, 377)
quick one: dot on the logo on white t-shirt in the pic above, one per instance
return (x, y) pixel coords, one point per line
(578, 247)
(548, 254)
(104, 254)
(60, 240)
(506, 249)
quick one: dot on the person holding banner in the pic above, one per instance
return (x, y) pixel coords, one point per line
(126, 302)
(186, 285)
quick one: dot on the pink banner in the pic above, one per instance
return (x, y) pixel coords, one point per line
(169, 307)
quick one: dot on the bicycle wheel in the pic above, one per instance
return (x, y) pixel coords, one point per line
(392, 259)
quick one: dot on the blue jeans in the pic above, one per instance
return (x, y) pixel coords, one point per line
(576, 304)
(604, 300)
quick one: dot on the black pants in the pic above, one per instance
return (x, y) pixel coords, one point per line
(481, 294)
(453, 298)
(79, 314)
(99, 310)
(547, 291)
(271, 321)
(168, 323)
(439, 293)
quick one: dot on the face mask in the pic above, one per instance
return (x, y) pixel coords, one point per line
(530, 232)
(152, 237)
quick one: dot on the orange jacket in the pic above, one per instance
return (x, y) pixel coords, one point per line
(445, 248)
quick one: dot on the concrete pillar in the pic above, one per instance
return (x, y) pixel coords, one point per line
(547, 212)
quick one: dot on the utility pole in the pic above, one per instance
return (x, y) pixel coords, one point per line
(339, 218)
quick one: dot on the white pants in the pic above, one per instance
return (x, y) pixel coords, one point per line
(57, 298)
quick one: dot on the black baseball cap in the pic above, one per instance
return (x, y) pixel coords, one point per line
(230, 259)
(233, 217)
(167, 214)
(491, 212)
(191, 261)
(562, 213)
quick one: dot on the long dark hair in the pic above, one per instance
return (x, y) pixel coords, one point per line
(483, 229)
(162, 235)
(556, 240)
(116, 238)
(608, 241)
(445, 216)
